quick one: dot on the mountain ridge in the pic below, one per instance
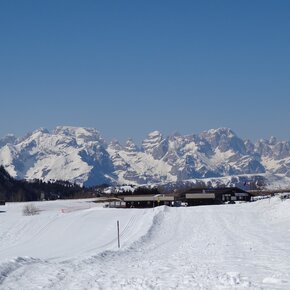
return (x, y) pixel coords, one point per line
(81, 155)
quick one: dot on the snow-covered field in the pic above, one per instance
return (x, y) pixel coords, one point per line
(72, 244)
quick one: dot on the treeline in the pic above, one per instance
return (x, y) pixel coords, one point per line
(20, 190)
(140, 191)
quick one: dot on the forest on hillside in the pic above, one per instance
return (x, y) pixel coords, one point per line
(12, 190)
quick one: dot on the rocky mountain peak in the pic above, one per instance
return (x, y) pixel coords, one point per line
(152, 140)
(263, 148)
(223, 131)
(8, 139)
(273, 140)
(115, 145)
(154, 135)
(224, 139)
(131, 146)
(155, 145)
(81, 155)
(79, 133)
(281, 150)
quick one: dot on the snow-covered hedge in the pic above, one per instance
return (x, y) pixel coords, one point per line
(30, 209)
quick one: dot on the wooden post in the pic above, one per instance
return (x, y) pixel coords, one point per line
(118, 229)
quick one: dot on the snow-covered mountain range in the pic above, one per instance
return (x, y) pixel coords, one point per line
(81, 155)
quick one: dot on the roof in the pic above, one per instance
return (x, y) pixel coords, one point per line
(200, 195)
(215, 190)
(157, 198)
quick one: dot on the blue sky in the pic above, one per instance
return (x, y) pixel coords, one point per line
(130, 67)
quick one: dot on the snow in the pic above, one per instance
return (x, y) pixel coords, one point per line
(72, 244)
(117, 189)
(142, 163)
(270, 163)
(154, 134)
(81, 155)
(153, 140)
(277, 181)
(220, 157)
(6, 159)
(222, 130)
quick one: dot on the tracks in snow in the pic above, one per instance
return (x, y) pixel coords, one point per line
(217, 247)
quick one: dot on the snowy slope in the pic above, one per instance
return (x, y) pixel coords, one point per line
(65, 229)
(134, 166)
(81, 155)
(68, 153)
(72, 245)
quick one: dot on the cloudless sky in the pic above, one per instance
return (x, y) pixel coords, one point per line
(130, 67)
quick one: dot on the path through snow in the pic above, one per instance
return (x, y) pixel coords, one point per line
(212, 247)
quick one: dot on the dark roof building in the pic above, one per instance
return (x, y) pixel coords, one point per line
(191, 197)
(203, 196)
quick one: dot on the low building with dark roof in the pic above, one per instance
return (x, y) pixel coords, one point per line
(205, 196)
(190, 197)
(149, 200)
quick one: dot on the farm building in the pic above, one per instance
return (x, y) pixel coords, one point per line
(142, 201)
(204, 196)
(191, 197)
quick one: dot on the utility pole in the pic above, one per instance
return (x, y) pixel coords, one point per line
(118, 230)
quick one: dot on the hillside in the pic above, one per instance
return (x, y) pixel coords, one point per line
(22, 190)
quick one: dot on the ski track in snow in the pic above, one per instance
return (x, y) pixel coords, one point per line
(243, 246)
